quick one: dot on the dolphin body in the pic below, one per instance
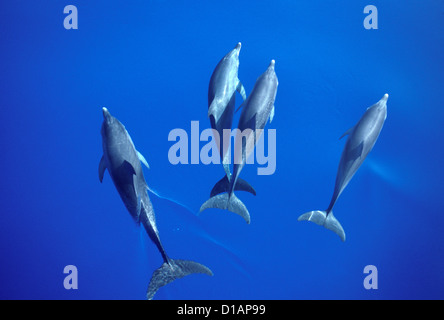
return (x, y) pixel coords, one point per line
(361, 139)
(257, 110)
(224, 83)
(122, 160)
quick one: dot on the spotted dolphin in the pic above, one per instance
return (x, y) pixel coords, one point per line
(123, 162)
(256, 111)
(361, 139)
(224, 83)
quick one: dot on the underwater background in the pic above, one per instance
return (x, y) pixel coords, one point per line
(149, 62)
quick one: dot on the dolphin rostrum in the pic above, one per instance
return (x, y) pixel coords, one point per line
(224, 83)
(123, 162)
(361, 139)
(257, 110)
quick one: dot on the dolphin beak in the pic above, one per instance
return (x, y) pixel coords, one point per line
(238, 47)
(106, 113)
(272, 63)
(383, 102)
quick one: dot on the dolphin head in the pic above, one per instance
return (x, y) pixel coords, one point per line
(107, 117)
(234, 54)
(378, 111)
(237, 48)
(272, 63)
(382, 105)
(270, 73)
(108, 122)
(106, 114)
(231, 61)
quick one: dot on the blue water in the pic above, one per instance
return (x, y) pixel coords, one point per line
(149, 63)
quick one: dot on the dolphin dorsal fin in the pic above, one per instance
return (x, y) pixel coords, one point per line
(346, 132)
(272, 114)
(102, 167)
(142, 159)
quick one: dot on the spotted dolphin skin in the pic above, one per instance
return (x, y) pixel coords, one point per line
(361, 139)
(221, 93)
(123, 162)
(224, 83)
(256, 111)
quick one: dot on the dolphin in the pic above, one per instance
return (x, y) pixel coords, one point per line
(123, 162)
(256, 111)
(224, 83)
(361, 139)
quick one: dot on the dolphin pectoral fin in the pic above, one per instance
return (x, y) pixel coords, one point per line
(240, 88)
(327, 221)
(346, 132)
(172, 270)
(142, 159)
(223, 185)
(226, 202)
(211, 108)
(214, 110)
(102, 167)
(127, 168)
(272, 114)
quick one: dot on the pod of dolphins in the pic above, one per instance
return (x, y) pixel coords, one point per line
(124, 162)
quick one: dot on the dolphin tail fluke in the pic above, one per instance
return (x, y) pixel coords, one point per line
(226, 202)
(326, 220)
(172, 270)
(223, 185)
